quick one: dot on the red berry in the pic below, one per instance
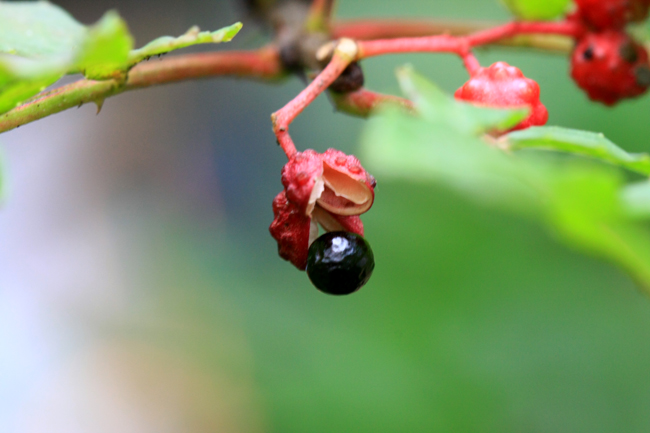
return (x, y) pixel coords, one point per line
(610, 66)
(611, 14)
(504, 86)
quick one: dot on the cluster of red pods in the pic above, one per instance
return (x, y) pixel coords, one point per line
(606, 62)
(332, 189)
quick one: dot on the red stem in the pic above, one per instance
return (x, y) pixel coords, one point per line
(489, 36)
(283, 117)
(462, 45)
(436, 44)
(471, 63)
(402, 28)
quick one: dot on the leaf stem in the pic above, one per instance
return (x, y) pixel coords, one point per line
(263, 64)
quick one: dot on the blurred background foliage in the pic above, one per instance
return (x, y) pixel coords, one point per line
(140, 290)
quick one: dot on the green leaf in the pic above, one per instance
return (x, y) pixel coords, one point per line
(40, 43)
(2, 178)
(537, 9)
(586, 212)
(38, 30)
(193, 36)
(22, 78)
(36, 43)
(402, 146)
(577, 142)
(578, 200)
(105, 50)
(636, 199)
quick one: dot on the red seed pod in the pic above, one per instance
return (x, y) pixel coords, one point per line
(611, 14)
(291, 229)
(329, 190)
(610, 66)
(503, 86)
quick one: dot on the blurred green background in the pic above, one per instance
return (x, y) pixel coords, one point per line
(140, 290)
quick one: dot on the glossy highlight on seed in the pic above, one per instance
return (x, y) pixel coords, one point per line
(340, 263)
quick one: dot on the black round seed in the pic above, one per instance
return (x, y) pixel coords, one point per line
(340, 263)
(350, 80)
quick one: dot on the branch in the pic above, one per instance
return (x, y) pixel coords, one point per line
(390, 29)
(262, 64)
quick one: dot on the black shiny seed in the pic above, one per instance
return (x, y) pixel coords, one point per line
(350, 80)
(340, 263)
(588, 54)
(628, 52)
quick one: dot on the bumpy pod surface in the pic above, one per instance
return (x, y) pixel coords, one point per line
(290, 228)
(610, 66)
(503, 86)
(301, 178)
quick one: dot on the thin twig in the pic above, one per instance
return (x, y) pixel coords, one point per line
(392, 29)
(343, 55)
(460, 45)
